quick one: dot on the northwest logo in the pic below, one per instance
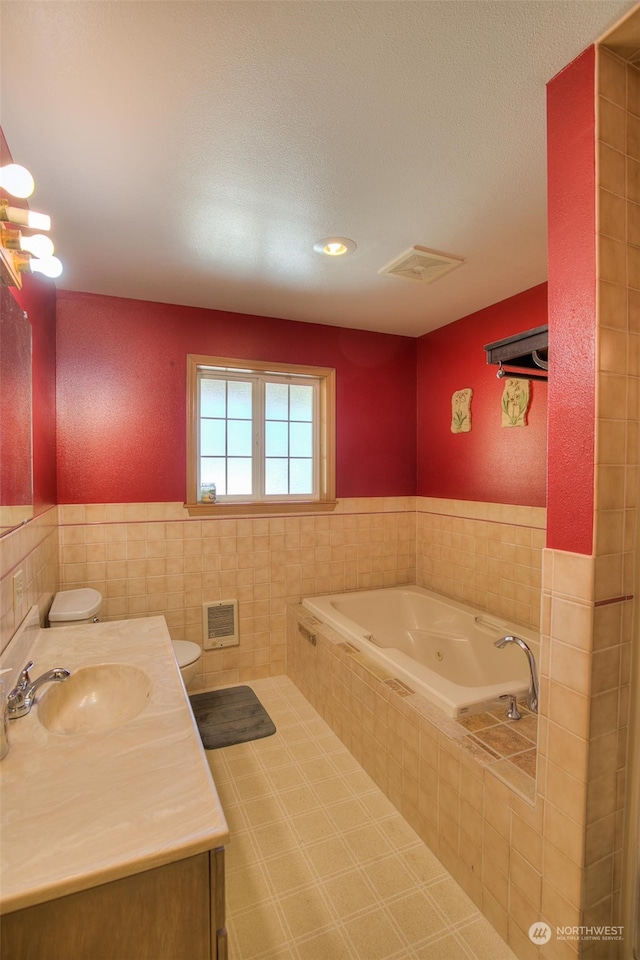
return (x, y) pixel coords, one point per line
(540, 932)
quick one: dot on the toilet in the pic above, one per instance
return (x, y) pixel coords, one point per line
(187, 654)
(84, 605)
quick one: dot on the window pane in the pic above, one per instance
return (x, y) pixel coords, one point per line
(239, 399)
(276, 401)
(276, 439)
(248, 459)
(276, 480)
(239, 475)
(301, 479)
(239, 438)
(301, 400)
(212, 471)
(301, 439)
(212, 438)
(212, 398)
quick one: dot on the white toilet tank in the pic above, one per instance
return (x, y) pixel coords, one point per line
(75, 606)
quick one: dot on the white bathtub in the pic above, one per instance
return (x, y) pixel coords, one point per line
(442, 649)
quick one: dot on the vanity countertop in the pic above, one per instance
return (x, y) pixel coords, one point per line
(81, 810)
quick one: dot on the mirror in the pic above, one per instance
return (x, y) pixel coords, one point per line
(16, 446)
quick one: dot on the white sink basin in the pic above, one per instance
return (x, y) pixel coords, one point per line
(95, 699)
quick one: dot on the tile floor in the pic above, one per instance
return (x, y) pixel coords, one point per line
(321, 866)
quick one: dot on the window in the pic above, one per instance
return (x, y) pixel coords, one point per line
(261, 436)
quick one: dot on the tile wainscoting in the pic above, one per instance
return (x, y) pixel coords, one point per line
(32, 548)
(488, 555)
(151, 558)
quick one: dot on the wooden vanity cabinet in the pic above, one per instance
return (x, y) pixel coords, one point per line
(173, 912)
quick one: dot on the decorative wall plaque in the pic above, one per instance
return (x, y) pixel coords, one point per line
(461, 411)
(515, 402)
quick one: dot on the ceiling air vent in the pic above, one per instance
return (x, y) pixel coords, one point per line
(419, 263)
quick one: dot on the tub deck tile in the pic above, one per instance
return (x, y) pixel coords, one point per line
(478, 721)
(526, 761)
(503, 739)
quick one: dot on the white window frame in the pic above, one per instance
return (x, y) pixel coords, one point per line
(260, 372)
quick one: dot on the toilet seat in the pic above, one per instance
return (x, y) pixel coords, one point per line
(186, 652)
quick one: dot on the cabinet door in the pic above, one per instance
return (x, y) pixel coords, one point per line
(161, 914)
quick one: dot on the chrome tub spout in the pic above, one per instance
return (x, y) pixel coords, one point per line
(534, 689)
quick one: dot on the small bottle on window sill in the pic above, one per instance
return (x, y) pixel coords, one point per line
(208, 493)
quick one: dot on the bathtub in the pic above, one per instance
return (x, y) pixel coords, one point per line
(442, 649)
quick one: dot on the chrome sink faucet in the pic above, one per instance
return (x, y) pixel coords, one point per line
(534, 689)
(20, 699)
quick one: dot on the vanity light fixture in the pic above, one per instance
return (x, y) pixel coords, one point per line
(19, 252)
(335, 246)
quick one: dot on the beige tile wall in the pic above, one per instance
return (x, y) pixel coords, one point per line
(584, 697)
(153, 559)
(32, 548)
(488, 555)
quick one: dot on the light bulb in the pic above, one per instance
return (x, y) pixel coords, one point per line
(334, 246)
(26, 218)
(38, 221)
(16, 180)
(38, 245)
(50, 267)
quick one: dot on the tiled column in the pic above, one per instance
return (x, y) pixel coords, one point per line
(588, 601)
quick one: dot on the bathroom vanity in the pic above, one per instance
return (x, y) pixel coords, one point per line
(113, 834)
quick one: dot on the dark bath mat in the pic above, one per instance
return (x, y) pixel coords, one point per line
(234, 715)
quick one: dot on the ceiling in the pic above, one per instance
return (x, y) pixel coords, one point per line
(194, 152)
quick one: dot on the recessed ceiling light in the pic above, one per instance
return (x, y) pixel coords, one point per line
(335, 246)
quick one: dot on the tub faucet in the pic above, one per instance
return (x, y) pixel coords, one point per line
(532, 693)
(20, 700)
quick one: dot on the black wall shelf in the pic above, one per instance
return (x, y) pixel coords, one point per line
(524, 355)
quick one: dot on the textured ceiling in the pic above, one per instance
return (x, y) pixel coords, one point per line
(194, 152)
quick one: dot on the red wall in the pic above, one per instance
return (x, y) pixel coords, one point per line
(121, 383)
(491, 463)
(121, 367)
(572, 304)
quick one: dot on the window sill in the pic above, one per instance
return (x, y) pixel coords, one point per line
(270, 508)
